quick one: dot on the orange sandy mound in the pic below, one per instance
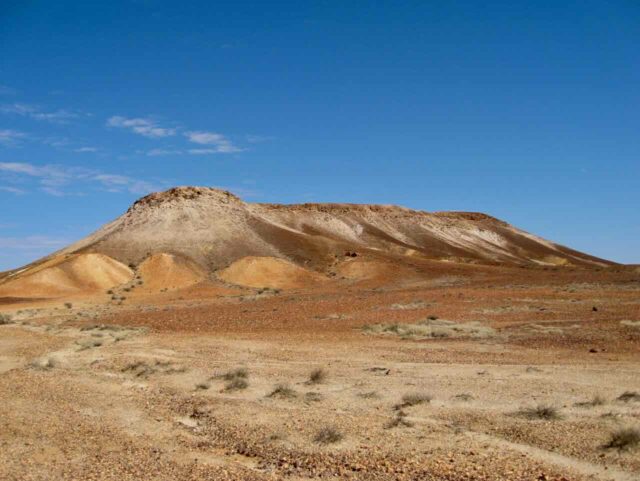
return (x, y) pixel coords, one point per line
(358, 269)
(268, 272)
(69, 275)
(167, 271)
(373, 270)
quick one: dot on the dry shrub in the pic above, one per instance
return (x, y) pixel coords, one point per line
(413, 399)
(313, 397)
(542, 411)
(624, 439)
(317, 376)
(328, 435)
(597, 400)
(369, 395)
(44, 363)
(236, 384)
(399, 421)
(463, 397)
(628, 396)
(432, 328)
(282, 391)
(238, 373)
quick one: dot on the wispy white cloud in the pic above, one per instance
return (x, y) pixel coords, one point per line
(85, 149)
(202, 151)
(8, 136)
(25, 110)
(61, 180)
(220, 144)
(161, 152)
(12, 190)
(145, 127)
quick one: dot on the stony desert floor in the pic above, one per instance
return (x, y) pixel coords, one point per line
(510, 374)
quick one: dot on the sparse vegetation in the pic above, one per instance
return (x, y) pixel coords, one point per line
(313, 397)
(369, 395)
(236, 384)
(409, 306)
(631, 323)
(542, 411)
(597, 400)
(238, 373)
(44, 363)
(282, 391)
(413, 399)
(89, 343)
(624, 439)
(463, 397)
(143, 369)
(68, 305)
(203, 386)
(317, 376)
(628, 396)
(432, 328)
(5, 319)
(399, 421)
(328, 435)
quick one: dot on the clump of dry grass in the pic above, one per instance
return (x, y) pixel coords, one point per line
(542, 411)
(432, 328)
(399, 421)
(409, 306)
(237, 379)
(238, 373)
(89, 343)
(143, 369)
(317, 376)
(463, 397)
(597, 400)
(313, 397)
(413, 399)
(369, 395)
(139, 369)
(629, 396)
(282, 391)
(5, 319)
(202, 386)
(328, 435)
(624, 439)
(236, 384)
(44, 363)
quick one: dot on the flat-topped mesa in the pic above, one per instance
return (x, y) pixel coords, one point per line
(213, 228)
(184, 193)
(386, 211)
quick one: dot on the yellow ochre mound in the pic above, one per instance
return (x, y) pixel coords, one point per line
(67, 275)
(168, 271)
(268, 272)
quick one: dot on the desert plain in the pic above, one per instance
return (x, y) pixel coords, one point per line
(389, 358)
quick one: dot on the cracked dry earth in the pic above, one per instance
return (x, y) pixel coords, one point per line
(149, 390)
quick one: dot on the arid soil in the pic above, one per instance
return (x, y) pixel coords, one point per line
(424, 370)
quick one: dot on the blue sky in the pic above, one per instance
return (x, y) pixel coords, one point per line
(528, 111)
